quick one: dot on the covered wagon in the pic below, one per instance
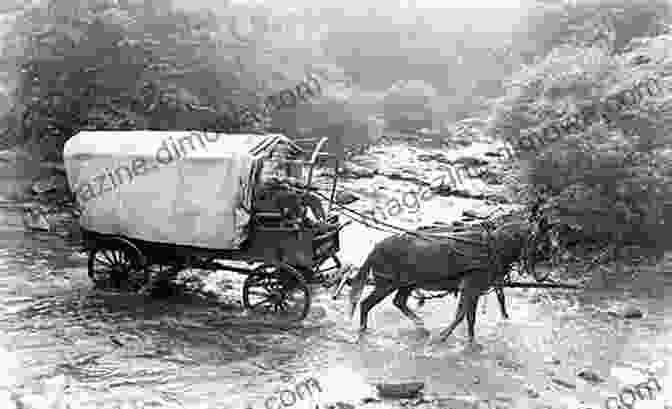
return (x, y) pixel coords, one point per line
(155, 202)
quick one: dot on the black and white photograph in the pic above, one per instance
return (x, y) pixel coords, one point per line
(376, 204)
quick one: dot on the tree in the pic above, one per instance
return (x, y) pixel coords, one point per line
(601, 161)
(408, 105)
(108, 64)
(610, 23)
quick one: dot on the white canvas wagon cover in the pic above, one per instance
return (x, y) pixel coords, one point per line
(181, 187)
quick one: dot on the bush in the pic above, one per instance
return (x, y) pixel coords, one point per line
(131, 65)
(409, 105)
(608, 174)
(610, 23)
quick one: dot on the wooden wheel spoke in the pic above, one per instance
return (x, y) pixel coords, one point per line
(104, 260)
(266, 301)
(123, 259)
(114, 255)
(291, 297)
(296, 298)
(107, 256)
(106, 271)
(282, 305)
(261, 294)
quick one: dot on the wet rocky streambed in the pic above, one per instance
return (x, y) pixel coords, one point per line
(61, 339)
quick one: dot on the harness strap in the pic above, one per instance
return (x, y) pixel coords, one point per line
(495, 262)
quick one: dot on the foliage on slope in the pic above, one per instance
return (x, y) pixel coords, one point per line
(611, 23)
(609, 174)
(408, 105)
(100, 64)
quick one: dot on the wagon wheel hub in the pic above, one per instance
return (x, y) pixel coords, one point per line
(279, 293)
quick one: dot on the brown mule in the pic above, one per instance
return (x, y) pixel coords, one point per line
(472, 261)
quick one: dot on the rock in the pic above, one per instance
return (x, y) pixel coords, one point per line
(553, 361)
(453, 403)
(460, 142)
(467, 194)
(443, 190)
(470, 214)
(531, 392)
(420, 401)
(345, 198)
(369, 399)
(491, 177)
(563, 383)
(54, 183)
(498, 199)
(509, 365)
(640, 59)
(439, 157)
(632, 313)
(400, 390)
(506, 399)
(403, 174)
(471, 162)
(339, 405)
(590, 376)
(356, 171)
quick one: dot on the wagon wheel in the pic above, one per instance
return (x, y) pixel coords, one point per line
(120, 266)
(320, 275)
(277, 289)
(162, 273)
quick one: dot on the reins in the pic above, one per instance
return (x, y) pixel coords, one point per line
(366, 221)
(490, 243)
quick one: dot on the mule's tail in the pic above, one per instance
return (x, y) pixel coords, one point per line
(357, 283)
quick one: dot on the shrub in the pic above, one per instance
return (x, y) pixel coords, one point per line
(131, 65)
(409, 105)
(610, 23)
(608, 177)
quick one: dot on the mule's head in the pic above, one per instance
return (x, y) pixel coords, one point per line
(539, 245)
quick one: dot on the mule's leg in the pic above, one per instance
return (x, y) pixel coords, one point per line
(472, 286)
(401, 302)
(471, 323)
(381, 291)
(471, 318)
(502, 302)
(459, 316)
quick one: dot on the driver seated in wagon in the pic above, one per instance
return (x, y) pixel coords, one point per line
(277, 190)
